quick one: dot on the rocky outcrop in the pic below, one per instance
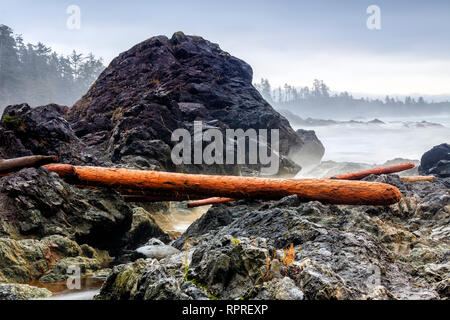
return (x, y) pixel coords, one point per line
(161, 85)
(291, 250)
(37, 203)
(43, 130)
(312, 150)
(436, 161)
(47, 260)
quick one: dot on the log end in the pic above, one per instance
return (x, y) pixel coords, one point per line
(63, 170)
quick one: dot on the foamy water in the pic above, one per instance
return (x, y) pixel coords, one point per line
(375, 144)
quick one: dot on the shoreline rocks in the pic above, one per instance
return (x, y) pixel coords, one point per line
(22, 292)
(242, 250)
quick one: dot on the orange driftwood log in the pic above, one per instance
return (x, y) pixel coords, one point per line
(8, 166)
(209, 201)
(324, 190)
(418, 178)
(350, 176)
(380, 170)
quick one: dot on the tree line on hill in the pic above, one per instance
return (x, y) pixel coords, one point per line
(319, 101)
(35, 74)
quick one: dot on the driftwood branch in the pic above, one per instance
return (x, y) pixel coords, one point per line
(377, 171)
(209, 201)
(7, 166)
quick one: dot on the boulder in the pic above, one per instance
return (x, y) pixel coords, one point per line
(312, 150)
(157, 251)
(436, 161)
(161, 85)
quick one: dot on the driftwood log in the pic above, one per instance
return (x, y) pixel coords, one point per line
(350, 176)
(8, 166)
(324, 190)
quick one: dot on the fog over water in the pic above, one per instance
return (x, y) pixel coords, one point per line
(377, 143)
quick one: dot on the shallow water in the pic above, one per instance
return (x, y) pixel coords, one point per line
(89, 288)
(178, 219)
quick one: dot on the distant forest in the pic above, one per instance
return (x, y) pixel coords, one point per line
(36, 75)
(319, 102)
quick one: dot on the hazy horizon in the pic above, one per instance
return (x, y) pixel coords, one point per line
(286, 42)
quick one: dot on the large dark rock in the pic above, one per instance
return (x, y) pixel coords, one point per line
(164, 84)
(436, 161)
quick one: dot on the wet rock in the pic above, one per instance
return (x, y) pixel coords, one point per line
(147, 280)
(229, 267)
(157, 251)
(436, 161)
(47, 259)
(65, 268)
(320, 282)
(43, 130)
(211, 222)
(37, 203)
(143, 227)
(22, 292)
(285, 289)
(379, 293)
(312, 150)
(122, 283)
(443, 288)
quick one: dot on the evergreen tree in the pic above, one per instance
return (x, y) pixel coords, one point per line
(36, 75)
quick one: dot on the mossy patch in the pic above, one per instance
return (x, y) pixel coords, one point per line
(12, 121)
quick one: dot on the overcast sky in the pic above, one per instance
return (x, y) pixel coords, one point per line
(284, 41)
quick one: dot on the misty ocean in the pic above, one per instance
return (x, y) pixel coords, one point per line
(377, 143)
